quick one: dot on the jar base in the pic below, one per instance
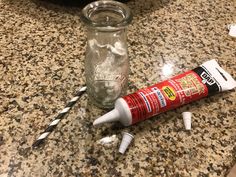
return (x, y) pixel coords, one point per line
(100, 105)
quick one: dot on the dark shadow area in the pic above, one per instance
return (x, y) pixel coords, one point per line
(67, 3)
(137, 6)
(73, 3)
(34, 8)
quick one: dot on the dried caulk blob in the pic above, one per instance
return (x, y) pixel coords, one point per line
(108, 141)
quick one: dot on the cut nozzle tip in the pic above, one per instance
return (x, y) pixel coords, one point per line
(96, 123)
(126, 140)
(111, 116)
(187, 120)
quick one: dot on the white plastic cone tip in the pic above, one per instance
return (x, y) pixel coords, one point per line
(187, 120)
(126, 140)
(111, 116)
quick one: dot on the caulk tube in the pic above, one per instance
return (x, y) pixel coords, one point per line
(207, 79)
(121, 113)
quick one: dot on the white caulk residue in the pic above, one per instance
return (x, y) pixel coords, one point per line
(109, 140)
(167, 70)
(118, 49)
(232, 30)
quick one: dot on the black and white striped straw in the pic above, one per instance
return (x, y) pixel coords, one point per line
(58, 118)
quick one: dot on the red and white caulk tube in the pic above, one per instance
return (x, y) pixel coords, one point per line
(207, 79)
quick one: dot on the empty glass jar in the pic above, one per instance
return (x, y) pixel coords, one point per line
(106, 59)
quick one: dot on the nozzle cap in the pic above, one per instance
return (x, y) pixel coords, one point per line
(126, 140)
(187, 118)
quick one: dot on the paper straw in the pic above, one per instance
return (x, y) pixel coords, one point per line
(58, 118)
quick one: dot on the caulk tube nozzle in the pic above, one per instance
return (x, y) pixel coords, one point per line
(120, 113)
(111, 116)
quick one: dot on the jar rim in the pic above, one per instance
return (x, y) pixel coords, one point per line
(119, 8)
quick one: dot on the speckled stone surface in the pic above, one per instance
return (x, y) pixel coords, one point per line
(42, 65)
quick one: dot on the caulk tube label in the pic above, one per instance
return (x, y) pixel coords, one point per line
(216, 75)
(192, 85)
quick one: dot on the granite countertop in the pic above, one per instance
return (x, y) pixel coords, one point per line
(42, 66)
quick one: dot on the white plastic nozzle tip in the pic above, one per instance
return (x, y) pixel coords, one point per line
(111, 116)
(187, 116)
(126, 140)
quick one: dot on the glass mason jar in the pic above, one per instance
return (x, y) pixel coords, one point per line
(106, 57)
